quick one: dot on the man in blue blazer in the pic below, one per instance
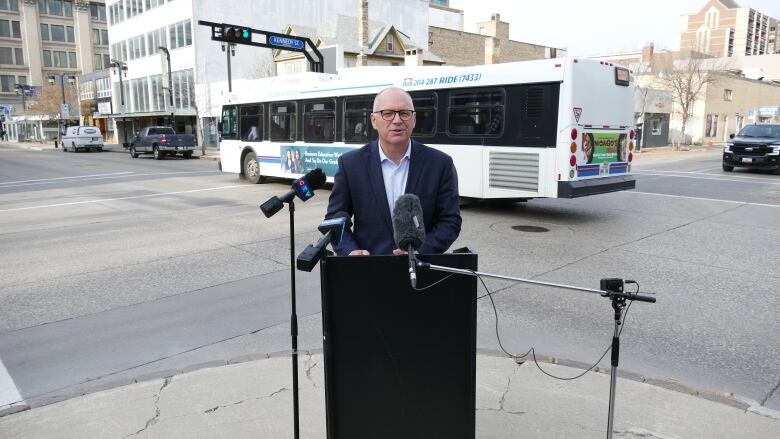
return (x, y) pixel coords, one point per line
(371, 179)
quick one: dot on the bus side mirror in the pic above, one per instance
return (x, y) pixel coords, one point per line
(731, 136)
(219, 126)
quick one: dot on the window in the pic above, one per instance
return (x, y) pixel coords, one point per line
(95, 36)
(67, 7)
(5, 28)
(69, 34)
(12, 5)
(357, 120)
(319, 121)
(183, 86)
(72, 60)
(55, 7)
(97, 11)
(19, 56)
(476, 113)
(712, 125)
(283, 118)
(154, 40)
(180, 34)
(104, 37)
(656, 128)
(42, 7)
(140, 90)
(44, 31)
(16, 31)
(727, 94)
(6, 55)
(7, 83)
(57, 32)
(59, 58)
(425, 108)
(23, 80)
(97, 62)
(229, 122)
(390, 43)
(47, 58)
(251, 123)
(136, 47)
(106, 60)
(158, 98)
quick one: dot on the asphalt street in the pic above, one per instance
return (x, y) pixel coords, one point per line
(113, 268)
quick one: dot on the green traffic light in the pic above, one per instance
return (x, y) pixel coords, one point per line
(246, 34)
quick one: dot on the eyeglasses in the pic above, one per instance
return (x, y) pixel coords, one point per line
(390, 114)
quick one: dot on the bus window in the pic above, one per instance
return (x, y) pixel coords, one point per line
(283, 121)
(229, 122)
(357, 119)
(251, 122)
(476, 113)
(319, 121)
(425, 109)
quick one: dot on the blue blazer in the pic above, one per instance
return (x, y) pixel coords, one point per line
(359, 190)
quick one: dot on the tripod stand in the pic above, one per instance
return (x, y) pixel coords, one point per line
(611, 288)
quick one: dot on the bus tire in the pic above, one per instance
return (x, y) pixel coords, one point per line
(158, 155)
(251, 168)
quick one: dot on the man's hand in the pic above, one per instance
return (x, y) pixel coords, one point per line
(399, 252)
(359, 253)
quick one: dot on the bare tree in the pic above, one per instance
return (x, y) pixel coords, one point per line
(263, 67)
(687, 80)
(49, 98)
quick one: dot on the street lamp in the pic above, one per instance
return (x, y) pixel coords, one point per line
(121, 67)
(23, 89)
(64, 108)
(170, 83)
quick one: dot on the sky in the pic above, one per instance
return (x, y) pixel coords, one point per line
(590, 27)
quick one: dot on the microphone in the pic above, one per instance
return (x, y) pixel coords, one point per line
(333, 230)
(303, 188)
(408, 229)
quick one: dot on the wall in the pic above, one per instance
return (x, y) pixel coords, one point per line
(468, 49)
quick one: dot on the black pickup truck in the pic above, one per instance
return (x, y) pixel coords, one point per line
(755, 146)
(162, 141)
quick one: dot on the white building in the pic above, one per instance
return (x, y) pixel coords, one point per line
(199, 66)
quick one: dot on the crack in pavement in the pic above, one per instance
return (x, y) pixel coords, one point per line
(309, 369)
(212, 410)
(770, 394)
(153, 420)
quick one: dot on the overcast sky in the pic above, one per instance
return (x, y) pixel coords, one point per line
(594, 26)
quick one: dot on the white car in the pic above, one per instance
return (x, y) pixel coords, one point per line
(82, 137)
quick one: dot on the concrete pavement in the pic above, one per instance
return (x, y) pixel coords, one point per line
(210, 153)
(251, 398)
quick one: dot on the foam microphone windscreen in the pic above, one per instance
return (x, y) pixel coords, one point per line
(315, 179)
(408, 227)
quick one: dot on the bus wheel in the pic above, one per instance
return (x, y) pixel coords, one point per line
(251, 168)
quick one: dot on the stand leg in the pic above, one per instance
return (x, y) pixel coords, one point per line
(293, 322)
(617, 304)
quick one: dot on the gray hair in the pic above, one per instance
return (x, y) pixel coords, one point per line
(395, 89)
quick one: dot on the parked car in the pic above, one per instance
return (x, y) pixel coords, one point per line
(82, 137)
(162, 141)
(755, 146)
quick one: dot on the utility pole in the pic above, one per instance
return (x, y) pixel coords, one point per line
(121, 67)
(170, 85)
(23, 89)
(230, 50)
(64, 107)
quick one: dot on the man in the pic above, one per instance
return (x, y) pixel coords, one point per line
(370, 180)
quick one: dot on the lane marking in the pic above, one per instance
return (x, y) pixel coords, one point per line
(764, 181)
(103, 200)
(700, 198)
(9, 393)
(63, 178)
(109, 176)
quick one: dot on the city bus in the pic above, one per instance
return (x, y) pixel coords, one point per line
(559, 128)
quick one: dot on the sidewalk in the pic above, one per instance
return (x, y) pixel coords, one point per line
(251, 398)
(211, 153)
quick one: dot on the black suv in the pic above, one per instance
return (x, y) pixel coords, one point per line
(755, 146)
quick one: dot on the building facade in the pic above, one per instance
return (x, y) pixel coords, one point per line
(722, 28)
(45, 37)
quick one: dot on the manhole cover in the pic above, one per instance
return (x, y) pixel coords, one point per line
(532, 229)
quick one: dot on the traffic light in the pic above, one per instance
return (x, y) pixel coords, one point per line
(238, 34)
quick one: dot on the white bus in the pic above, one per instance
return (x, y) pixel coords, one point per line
(547, 128)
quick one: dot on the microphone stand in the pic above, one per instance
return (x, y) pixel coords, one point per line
(613, 290)
(294, 323)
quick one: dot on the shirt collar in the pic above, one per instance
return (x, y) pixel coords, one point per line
(383, 157)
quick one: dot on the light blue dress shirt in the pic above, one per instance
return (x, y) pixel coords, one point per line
(395, 176)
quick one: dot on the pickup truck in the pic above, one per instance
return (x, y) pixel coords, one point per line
(755, 146)
(162, 141)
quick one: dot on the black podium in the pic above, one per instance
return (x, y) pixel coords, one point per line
(399, 363)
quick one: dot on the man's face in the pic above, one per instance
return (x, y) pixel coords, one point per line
(396, 131)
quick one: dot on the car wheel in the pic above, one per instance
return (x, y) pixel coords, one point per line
(158, 155)
(728, 168)
(133, 154)
(251, 168)
(187, 154)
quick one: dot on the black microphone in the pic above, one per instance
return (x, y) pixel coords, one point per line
(408, 229)
(333, 230)
(303, 187)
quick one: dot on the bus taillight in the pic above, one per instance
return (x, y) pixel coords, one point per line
(631, 145)
(573, 147)
(574, 134)
(631, 134)
(630, 156)
(573, 161)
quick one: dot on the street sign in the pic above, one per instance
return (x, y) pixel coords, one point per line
(287, 43)
(64, 113)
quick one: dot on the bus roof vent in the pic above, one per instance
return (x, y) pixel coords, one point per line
(514, 170)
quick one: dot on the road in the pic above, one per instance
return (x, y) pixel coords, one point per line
(112, 268)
